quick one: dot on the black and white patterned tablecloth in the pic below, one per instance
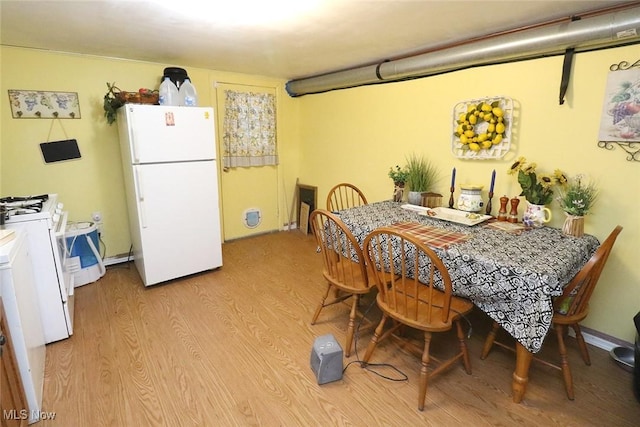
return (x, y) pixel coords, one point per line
(510, 277)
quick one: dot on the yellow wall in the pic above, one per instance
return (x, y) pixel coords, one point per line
(1, 120)
(94, 182)
(350, 135)
(355, 135)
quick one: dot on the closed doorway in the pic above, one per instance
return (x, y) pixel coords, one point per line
(249, 193)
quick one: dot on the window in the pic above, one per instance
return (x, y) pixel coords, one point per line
(249, 129)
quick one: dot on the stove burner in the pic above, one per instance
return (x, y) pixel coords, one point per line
(4, 201)
(22, 211)
(10, 206)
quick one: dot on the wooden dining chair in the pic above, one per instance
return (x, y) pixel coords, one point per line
(344, 196)
(571, 308)
(344, 267)
(413, 300)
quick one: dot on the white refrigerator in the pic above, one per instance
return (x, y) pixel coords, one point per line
(171, 183)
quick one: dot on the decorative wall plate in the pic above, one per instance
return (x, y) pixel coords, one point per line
(482, 128)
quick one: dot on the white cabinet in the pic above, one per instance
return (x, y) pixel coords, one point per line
(20, 301)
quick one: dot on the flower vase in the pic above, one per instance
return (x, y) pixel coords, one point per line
(398, 191)
(573, 225)
(536, 215)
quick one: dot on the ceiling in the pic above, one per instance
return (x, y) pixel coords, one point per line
(325, 36)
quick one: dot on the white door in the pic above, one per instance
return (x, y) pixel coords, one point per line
(246, 190)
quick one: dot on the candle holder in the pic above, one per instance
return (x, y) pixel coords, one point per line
(488, 211)
(451, 197)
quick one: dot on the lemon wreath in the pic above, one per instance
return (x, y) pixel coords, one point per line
(482, 126)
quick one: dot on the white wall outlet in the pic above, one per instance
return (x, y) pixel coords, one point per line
(97, 219)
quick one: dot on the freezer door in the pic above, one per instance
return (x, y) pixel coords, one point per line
(178, 230)
(170, 134)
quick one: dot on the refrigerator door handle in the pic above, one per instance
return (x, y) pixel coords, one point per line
(134, 146)
(134, 150)
(140, 193)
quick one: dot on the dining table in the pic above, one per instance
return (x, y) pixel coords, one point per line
(510, 272)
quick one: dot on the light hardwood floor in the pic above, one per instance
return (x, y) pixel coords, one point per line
(231, 348)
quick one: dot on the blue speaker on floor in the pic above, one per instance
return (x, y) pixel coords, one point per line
(326, 359)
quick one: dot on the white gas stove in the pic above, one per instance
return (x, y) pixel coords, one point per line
(45, 221)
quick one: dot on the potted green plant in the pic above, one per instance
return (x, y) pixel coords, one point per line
(421, 177)
(399, 177)
(577, 200)
(115, 98)
(111, 102)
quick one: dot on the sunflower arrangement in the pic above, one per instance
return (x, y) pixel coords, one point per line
(536, 189)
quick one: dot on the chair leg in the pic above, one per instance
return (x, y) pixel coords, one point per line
(488, 343)
(321, 306)
(463, 347)
(424, 371)
(581, 344)
(374, 340)
(352, 325)
(564, 362)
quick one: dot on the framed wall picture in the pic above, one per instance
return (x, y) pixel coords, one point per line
(620, 119)
(35, 104)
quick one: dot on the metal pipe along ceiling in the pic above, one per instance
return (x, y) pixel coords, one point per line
(609, 30)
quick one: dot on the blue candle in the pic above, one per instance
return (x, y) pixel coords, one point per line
(493, 181)
(453, 178)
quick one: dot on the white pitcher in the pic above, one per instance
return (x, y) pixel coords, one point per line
(536, 215)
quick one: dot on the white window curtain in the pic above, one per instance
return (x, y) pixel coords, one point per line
(249, 129)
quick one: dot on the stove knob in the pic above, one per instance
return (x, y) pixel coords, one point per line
(56, 217)
(60, 206)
